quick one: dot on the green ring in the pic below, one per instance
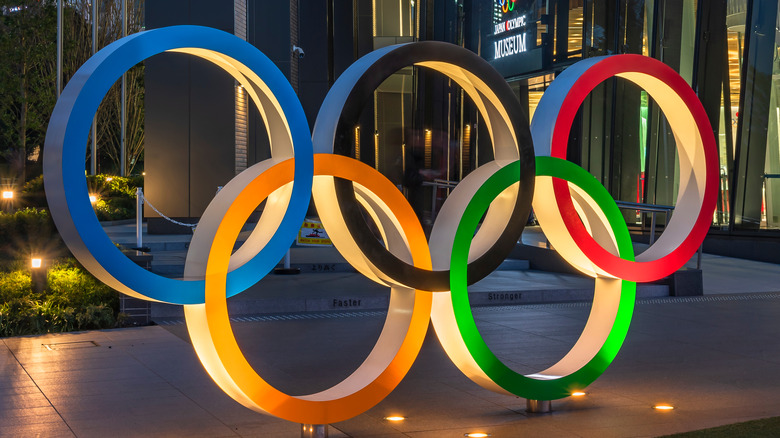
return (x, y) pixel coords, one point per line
(502, 375)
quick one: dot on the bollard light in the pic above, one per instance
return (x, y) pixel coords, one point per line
(36, 262)
(8, 194)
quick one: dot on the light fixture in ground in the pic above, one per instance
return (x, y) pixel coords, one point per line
(477, 435)
(578, 394)
(663, 407)
(8, 194)
(36, 262)
(395, 418)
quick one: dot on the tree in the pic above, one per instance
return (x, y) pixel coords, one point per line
(109, 115)
(27, 80)
(28, 31)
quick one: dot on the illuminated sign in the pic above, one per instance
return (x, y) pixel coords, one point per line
(510, 46)
(428, 279)
(507, 5)
(514, 44)
(508, 25)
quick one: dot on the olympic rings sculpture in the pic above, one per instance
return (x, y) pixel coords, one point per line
(428, 279)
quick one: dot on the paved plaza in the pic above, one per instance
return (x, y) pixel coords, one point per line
(715, 358)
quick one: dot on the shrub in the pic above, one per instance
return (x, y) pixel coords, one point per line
(15, 284)
(95, 317)
(116, 195)
(72, 286)
(28, 231)
(113, 210)
(73, 300)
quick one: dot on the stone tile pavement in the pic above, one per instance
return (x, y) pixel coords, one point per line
(715, 358)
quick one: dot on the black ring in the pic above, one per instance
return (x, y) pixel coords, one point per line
(363, 90)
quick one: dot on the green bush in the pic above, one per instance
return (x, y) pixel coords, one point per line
(72, 300)
(113, 210)
(26, 232)
(72, 286)
(116, 195)
(27, 316)
(15, 284)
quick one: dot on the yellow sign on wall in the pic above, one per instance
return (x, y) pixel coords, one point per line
(313, 234)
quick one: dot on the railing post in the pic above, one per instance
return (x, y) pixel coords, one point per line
(652, 227)
(435, 190)
(698, 256)
(139, 216)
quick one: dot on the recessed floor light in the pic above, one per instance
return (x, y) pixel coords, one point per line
(578, 394)
(395, 418)
(663, 407)
(477, 435)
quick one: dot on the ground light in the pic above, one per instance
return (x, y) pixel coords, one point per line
(8, 194)
(37, 275)
(476, 435)
(663, 407)
(109, 178)
(578, 394)
(93, 198)
(395, 418)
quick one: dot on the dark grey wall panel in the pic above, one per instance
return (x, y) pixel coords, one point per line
(161, 13)
(314, 40)
(218, 15)
(190, 139)
(212, 134)
(167, 122)
(343, 36)
(268, 29)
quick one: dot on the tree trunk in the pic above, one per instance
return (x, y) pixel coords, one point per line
(21, 174)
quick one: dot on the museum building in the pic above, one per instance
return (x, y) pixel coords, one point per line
(423, 133)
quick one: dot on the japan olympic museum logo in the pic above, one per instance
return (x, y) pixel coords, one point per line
(506, 5)
(428, 278)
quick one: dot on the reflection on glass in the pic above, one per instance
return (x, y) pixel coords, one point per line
(727, 133)
(536, 87)
(770, 211)
(393, 18)
(576, 26)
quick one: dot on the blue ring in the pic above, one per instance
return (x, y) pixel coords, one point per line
(65, 149)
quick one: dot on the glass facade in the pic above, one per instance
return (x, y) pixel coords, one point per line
(425, 135)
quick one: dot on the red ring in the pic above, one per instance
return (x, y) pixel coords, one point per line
(614, 265)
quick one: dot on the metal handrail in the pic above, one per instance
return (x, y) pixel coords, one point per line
(438, 184)
(667, 210)
(645, 207)
(651, 208)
